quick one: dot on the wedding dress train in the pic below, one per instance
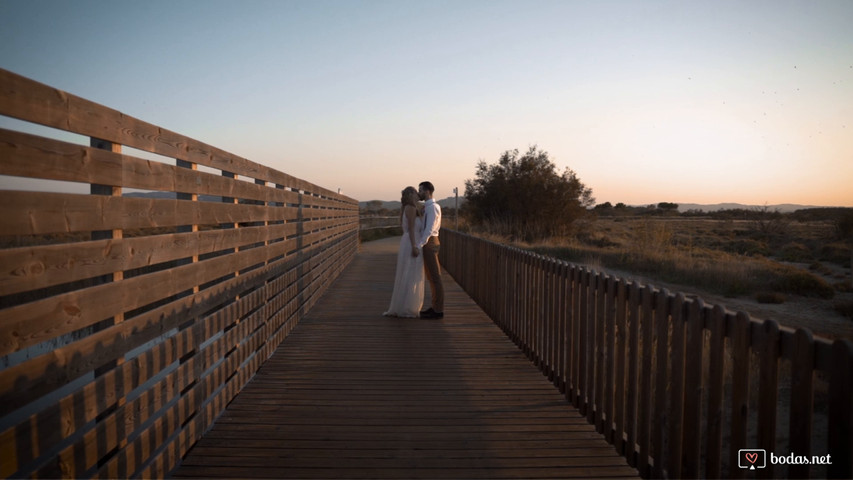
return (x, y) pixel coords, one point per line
(408, 296)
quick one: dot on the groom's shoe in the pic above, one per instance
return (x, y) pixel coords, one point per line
(427, 312)
(433, 315)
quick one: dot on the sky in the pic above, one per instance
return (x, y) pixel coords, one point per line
(646, 101)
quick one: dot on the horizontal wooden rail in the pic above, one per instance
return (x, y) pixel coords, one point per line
(128, 322)
(677, 386)
(368, 222)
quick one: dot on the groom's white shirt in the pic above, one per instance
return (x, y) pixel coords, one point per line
(432, 221)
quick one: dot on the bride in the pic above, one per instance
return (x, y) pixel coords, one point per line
(408, 296)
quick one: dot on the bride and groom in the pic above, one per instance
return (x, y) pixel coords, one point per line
(418, 256)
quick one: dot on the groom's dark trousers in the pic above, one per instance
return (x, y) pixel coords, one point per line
(433, 273)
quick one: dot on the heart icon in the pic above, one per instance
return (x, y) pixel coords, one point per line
(752, 457)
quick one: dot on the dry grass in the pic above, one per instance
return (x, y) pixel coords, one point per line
(730, 258)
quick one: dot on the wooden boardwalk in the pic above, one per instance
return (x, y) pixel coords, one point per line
(353, 394)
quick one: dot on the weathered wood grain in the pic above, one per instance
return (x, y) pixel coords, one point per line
(37, 213)
(31, 156)
(35, 322)
(32, 101)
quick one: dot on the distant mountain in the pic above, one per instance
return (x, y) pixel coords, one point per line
(449, 202)
(783, 207)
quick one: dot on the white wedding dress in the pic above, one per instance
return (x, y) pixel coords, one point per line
(408, 295)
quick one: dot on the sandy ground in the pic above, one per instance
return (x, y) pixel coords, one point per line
(818, 315)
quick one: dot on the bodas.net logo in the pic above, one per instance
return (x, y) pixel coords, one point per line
(752, 458)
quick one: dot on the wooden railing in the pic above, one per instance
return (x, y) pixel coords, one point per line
(375, 222)
(128, 323)
(677, 386)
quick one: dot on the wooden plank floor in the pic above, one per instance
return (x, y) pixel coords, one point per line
(353, 394)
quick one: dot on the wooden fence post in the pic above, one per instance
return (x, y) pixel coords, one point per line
(741, 340)
(661, 414)
(768, 386)
(841, 410)
(676, 387)
(608, 425)
(646, 381)
(633, 359)
(693, 390)
(621, 360)
(583, 342)
(600, 357)
(193, 197)
(563, 313)
(115, 234)
(717, 371)
(802, 399)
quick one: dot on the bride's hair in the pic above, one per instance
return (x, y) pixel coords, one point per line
(406, 195)
(406, 199)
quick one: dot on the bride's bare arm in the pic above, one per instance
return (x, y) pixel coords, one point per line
(410, 219)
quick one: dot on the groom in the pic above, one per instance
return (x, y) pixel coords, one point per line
(430, 245)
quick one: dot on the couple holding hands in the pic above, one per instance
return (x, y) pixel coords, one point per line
(418, 256)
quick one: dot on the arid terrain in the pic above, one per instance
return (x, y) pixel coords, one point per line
(816, 314)
(794, 272)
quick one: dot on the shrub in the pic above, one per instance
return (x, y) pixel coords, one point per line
(795, 252)
(836, 252)
(596, 240)
(747, 246)
(844, 308)
(770, 297)
(803, 283)
(820, 268)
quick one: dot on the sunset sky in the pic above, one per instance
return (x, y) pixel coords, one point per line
(647, 101)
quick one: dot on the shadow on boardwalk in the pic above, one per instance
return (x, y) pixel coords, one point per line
(353, 394)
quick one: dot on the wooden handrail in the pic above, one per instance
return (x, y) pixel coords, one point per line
(128, 323)
(676, 385)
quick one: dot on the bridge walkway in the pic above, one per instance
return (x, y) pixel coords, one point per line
(353, 394)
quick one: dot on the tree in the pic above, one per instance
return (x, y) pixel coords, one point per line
(524, 196)
(770, 224)
(604, 209)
